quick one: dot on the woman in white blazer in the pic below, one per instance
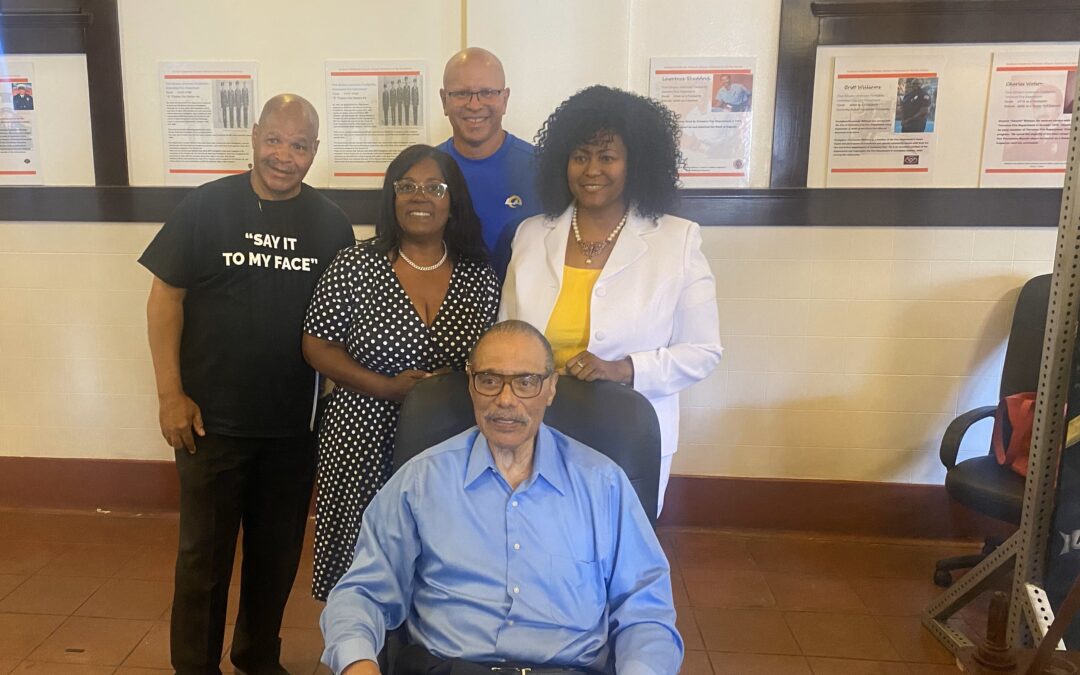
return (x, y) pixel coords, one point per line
(621, 289)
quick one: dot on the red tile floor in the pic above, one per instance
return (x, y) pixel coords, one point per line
(89, 594)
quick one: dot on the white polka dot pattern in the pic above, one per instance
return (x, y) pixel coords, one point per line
(360, 302)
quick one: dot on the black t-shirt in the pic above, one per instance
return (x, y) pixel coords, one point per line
(249, 267)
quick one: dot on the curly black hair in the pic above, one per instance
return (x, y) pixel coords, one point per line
(648, 128)
(463, 234)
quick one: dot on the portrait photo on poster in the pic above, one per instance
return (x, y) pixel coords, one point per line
(232, 104)
(22, 96)
(731, 92)
(916, 103)
(400, 100)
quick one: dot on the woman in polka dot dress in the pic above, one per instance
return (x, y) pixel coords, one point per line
(386, 314)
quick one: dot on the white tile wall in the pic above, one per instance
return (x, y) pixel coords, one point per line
(848, 350)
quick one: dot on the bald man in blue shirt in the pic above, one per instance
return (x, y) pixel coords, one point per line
(509, 548)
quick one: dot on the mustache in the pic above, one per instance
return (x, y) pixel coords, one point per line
(504, 417)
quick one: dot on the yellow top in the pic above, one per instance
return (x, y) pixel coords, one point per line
(568, 327)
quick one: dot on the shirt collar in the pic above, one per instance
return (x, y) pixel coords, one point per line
(547, 461)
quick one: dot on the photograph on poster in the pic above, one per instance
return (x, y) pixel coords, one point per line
(232, 105)
(731, 92)
(400, 101)
(22, 96)
(916, 100)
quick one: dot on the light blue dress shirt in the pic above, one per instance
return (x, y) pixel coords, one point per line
(736, 97)
(564, 570)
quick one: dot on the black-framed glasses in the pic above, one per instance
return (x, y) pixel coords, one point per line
(463, 96)
(407, 187)
(524, 385)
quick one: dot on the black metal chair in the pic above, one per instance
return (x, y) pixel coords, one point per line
(610, 418)
(980, 483)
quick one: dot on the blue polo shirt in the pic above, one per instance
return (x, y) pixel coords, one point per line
(503, 191)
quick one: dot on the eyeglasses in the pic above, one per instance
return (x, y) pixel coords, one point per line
(408, 187)
(462, 96)
(524, 385)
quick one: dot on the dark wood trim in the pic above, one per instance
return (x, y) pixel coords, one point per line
(805, 24)
(874, 207)
(88, 484)
(900, 510)
(835, 507)
(849, 8)
(794, 94)
(43, 32)
(967, 207)
(106, 83)
(136, 204)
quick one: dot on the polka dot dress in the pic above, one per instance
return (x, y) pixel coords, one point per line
(360, 302)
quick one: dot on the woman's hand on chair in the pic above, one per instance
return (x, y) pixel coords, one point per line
(589, 367)
(399, 386)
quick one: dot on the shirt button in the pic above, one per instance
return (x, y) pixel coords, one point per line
(517, 547)
(516, 589)
(510, 622)
(601, 292)
(600, 335)
(514, 503)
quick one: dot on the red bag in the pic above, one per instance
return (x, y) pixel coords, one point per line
(1013, 422)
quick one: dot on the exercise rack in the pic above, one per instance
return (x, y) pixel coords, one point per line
(1024, 553)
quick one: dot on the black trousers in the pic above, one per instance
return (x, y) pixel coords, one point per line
(264, 484)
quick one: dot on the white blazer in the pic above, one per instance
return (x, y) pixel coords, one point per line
(655, 300)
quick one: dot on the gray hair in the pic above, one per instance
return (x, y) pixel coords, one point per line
(517, 327)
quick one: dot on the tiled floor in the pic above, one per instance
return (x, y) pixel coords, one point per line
(89, 594)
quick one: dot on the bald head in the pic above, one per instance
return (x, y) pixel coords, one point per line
(291, 105)
(284, 142)
(474, 97)
(474, 57)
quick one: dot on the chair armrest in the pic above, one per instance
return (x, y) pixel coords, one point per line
(950, 440)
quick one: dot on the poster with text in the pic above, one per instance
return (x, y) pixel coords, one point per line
(19, 163)
(1028, 119)
(882, 130)
(376, 110)
(207, 109)
(714, 100)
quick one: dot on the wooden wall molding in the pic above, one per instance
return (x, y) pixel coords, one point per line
(830, 507)
(792, 207)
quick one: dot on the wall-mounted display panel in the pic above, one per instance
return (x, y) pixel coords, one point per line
(958, 106)
(208, 109)
(714, 100)
(45, 120)
(1029, 115)
(376, 110)
(290, 42)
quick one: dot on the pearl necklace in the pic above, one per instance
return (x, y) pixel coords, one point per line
(424, 268)
(591, 249)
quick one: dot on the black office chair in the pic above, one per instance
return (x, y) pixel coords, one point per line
(980, 483)
(610, 418)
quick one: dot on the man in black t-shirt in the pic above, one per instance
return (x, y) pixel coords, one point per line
(234, 267)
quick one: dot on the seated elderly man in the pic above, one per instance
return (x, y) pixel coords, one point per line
(509, 548)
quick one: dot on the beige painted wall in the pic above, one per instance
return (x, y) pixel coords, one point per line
(847, 349)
